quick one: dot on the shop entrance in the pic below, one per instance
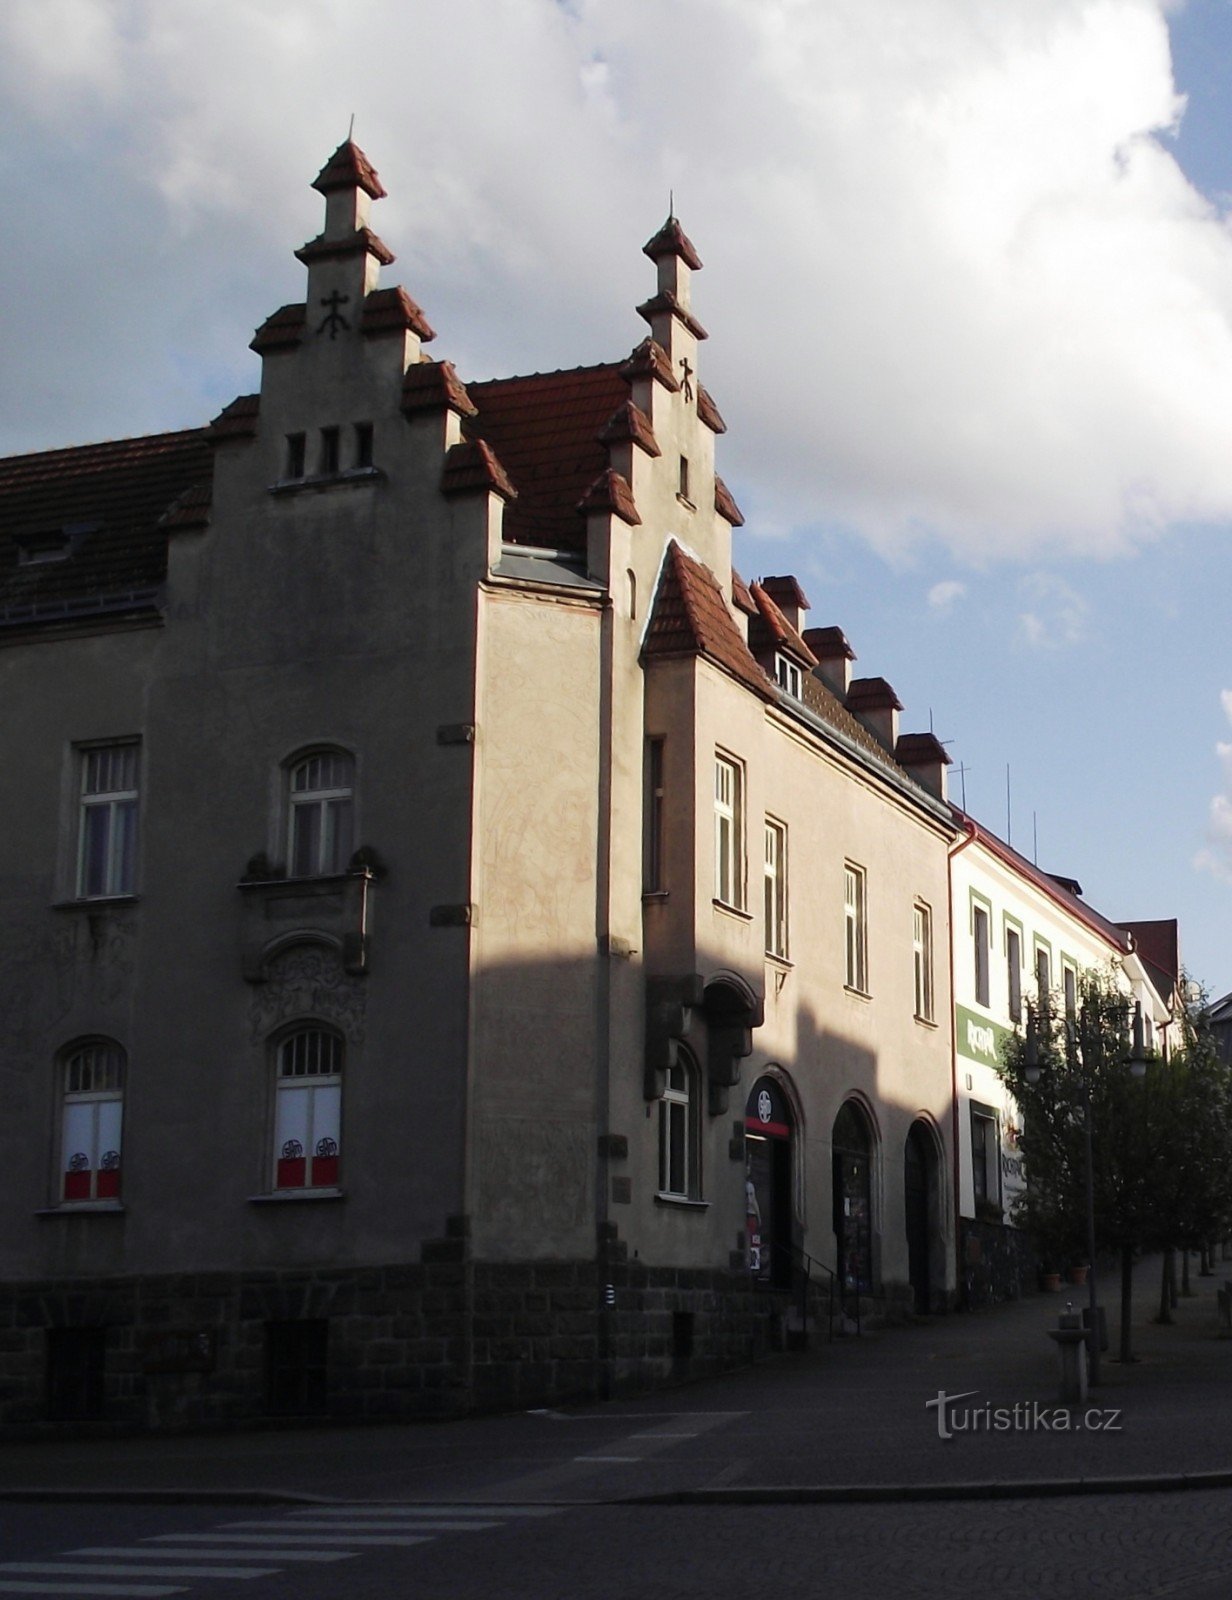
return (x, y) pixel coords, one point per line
(767, 1184)
(852, 1144)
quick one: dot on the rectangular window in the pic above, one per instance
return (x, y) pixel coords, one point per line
(787, 675)
(652, 820)
(1043, 975)
(678, 1122)
(985, 1167)
(107, 839)
(329, 450)
(363, 444)
(855, 927)
(296, 1367)
(1013, 972)
(308, 1110)
(295, 455)
(76, 1370)
(684, 477)
(979, 935)
(1070, 979)
(922, 955)
(728, 832)
(776, 889)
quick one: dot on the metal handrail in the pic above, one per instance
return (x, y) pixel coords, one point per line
(802, 1268)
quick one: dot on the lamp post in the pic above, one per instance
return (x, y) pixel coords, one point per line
(1076, 1037)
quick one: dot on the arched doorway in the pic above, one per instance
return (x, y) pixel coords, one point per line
(852, 1144)
(919, 1166)
(768, 1130)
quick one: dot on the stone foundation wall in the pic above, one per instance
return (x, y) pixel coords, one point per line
(441, 1337)
(997, 1263)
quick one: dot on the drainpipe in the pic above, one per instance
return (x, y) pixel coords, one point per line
(603, 1004)
(954, 1127)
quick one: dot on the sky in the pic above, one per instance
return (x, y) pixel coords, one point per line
(968, 283)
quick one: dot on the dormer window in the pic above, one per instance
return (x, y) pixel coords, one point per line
(329, 451)
(295, 455)
(363, 444)
(787, 675)
(40, 549)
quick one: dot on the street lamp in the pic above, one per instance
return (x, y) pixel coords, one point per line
(1136, 1061)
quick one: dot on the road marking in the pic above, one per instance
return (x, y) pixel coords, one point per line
(130, 1550)
(289, 1538)
(655, 1433)
(108, 1569)
(607, 1458)
(133, 1590)
(433, 1525)
(428, 1508)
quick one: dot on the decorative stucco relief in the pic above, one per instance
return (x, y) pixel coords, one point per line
(308, 981)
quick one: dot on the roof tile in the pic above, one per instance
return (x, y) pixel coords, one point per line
(690, 617)
(348, 168)
(393, 311)
(671, 240)
(435, 386)
(471, 467)
(611, 492)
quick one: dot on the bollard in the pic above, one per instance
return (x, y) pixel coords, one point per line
(1070, 1339)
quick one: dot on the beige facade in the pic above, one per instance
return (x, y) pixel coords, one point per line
(460, 945)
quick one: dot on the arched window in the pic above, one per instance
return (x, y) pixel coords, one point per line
(307, 1109)
(320, 810)
(679, 1174)
(91, 1119)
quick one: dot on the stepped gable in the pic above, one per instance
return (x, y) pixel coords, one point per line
(282, 330)
(690, 617)
(725, 505)
(237, 420)
(708, 412)
(435, 386)
(473, 466)
(393, 311)
(108, 500)
(545, 430)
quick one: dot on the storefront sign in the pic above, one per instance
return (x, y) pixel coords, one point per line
(977, 1038)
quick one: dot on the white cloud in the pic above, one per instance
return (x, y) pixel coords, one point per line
(1057, 614)
(958, 288)
(943, 595)
(1216, 856)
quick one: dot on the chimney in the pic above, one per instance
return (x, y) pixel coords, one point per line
(875, 704)
(924, 757)
(834, 658)
(789, 597)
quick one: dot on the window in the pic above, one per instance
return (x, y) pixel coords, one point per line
(1069, 977)
(1013, 972)
(363, 444)
(678, 1117)
(1043, 974)
(297, 1367)
(684, 478)
(776, 889)
(922, 956)
(295, 455)
(308, 1110)
(985, 1166)
(855, 919)
(652, 820)
(979, 936)
(787, 675)
(728, 832)
(329, 450)
(321, 799)
(92, 1115)
(76, 1373)
(107, 844)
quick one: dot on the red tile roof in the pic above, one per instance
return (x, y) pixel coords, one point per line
(667, 301)
(348, 168)
(786, 591)
(545, 428)
(236, 421)
(112, 496)
(281, 330)
(708, 412)
(829, 644)
(435, 386)
(472, 466)
(393, 311)
(611, 492)
(649, 360)
(725, 505)
(741, 598)
(770, 629)
(671, 240)
(872, 694)
(362, 242)
(919, 750)
(690, 617)
(628, 422)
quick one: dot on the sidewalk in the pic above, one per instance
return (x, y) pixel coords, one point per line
(848, 1419)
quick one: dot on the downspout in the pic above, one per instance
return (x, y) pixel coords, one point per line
(603, 1005)
(954, 1126)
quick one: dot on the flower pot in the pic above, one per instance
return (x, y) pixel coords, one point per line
(1051, 1282)
(1078, 1274)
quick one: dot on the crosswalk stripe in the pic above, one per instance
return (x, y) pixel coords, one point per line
(338, 1530)
(134, 1591)
(187, 1550)
(110, 1569)
(427, 1508)
(291, 1539)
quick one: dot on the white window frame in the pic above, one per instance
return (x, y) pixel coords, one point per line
(775, 881)
(679, 1163)
(787, 675)
(981, 935)
(325, 807)
(987, 1161)
(1069, 982)
(1013, 973)
(855, 925)
(1043, 988)
(922, 959)
(91, 1086)
(653, 879)
(109, 816)
(728, 831)
(308, 1077)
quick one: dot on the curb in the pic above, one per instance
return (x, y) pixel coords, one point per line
(873, 1493)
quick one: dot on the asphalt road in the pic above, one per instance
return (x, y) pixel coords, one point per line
(1133, 1548)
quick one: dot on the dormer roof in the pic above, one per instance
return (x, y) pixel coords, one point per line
(349, 168)
(690, 617)
(770, 630)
